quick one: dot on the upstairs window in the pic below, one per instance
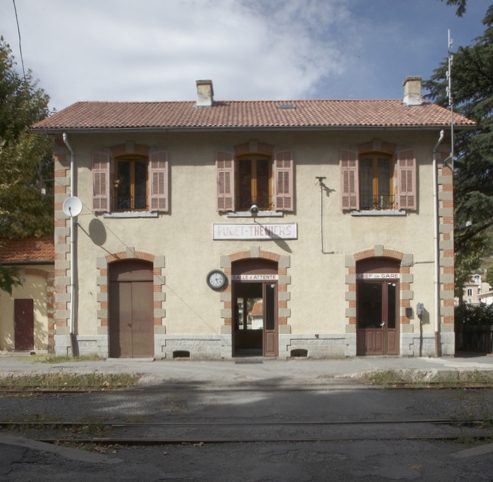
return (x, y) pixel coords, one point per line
(130, 185)
(253, 179)
(130, 182)
(254, 184)
(377, 181)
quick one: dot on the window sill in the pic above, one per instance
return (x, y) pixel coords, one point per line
(132, 214)
(377, 212)
(260, 214)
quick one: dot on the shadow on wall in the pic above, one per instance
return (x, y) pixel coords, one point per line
(97, 232)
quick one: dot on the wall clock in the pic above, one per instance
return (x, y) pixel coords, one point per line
(216, 279)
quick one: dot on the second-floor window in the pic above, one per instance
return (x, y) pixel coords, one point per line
(267, 182)
(130, 182)
(130, 185)
(376, 181)
(254, 183)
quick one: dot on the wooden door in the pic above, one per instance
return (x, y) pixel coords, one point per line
(24, 324)
(377, 331)
(270, 333)
(131, 309)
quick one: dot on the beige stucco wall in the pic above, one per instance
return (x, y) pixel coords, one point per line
(35, 288)
(184, 236)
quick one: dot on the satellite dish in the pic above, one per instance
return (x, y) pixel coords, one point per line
(72, 206)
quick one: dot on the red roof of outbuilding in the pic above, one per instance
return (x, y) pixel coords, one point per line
(311, 114)
(28, 250)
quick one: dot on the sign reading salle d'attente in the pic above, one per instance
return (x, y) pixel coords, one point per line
(255, 231)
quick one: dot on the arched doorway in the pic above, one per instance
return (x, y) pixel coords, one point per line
(377, 306)
(254, 294)
(131, 309)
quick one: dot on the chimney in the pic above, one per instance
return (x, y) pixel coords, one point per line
(412, 91)
(205, 93)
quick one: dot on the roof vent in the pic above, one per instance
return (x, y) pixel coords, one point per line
(286, 106)
(205, 93)
(412, 91)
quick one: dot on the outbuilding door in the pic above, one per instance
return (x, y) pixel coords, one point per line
(24, 324)
(131, 309)
(377, 307)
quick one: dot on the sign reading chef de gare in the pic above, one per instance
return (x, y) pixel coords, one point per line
(255, 231)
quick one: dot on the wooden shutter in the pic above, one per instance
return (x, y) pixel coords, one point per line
(101, 163)
(225, 170)
(283, 181)
(349, 180)
(158, 180)
(406, 180)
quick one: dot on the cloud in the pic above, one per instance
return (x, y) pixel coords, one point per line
(252, 49)
(155, 50)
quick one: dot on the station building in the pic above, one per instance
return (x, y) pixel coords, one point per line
(215, 229)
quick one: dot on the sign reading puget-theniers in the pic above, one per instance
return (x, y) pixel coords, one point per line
(255, 231)
(378, 276)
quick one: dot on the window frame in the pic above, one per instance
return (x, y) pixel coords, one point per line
(132, 159)
(281, 181)
(254, 158)
(403, 180)
(104, 176)
(375, 157)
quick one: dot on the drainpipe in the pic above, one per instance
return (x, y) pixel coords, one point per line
(72, 246)
(437, 245)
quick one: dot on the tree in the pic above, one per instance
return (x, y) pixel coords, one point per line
(489, 275)
(461, 6)
(8, 278)
(472, 91)
(25, 158)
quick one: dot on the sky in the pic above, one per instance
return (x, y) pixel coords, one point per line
(155, 50)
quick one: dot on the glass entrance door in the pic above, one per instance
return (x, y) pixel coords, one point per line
(255, 321)
(376, 318)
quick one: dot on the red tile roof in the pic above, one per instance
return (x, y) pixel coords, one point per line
(248, 114)
(29, 250)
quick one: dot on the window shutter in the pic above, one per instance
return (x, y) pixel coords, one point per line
(349, 180)
(283, 181)
(225, 170)
(158, 180)
(101, 163)
(406, 180)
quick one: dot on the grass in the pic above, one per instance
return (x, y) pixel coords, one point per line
(415, 379)
(50, 358)
(61, 381)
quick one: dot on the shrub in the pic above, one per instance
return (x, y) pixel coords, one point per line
(473, 315)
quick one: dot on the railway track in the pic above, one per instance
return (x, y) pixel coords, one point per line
(165, 433)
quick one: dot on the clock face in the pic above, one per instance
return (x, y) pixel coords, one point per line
(216, 279)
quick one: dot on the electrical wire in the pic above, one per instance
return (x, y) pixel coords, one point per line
(20, 42)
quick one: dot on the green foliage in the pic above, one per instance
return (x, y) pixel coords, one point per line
(473, 315)
(26, 160)
(489, 275)
(472, 91)
(461, 6)
(8, 278)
